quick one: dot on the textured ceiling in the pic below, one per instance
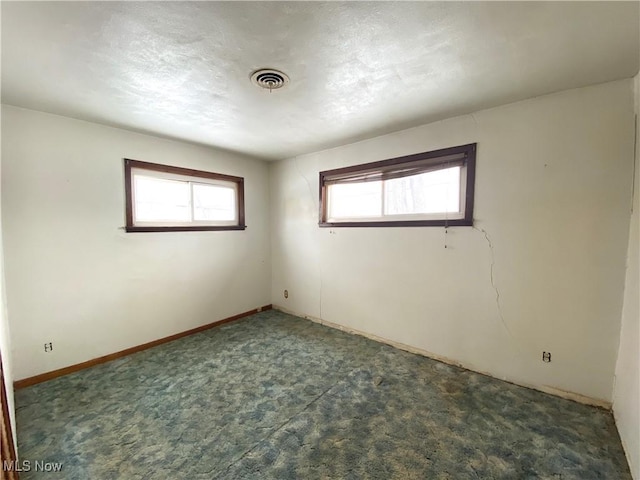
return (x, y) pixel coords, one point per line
(357, 69)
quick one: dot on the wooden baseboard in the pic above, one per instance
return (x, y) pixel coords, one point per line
(43, 377)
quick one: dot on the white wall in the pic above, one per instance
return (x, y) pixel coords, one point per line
(75, 278)
(553, 192)
(5, 335)
(5, 339)
(626, 398)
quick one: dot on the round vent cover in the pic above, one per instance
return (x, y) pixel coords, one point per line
(269, 79)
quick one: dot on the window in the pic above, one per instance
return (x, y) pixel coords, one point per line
(163, 198)
(425, 189)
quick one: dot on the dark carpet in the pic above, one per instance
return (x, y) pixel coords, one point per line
(277, 397)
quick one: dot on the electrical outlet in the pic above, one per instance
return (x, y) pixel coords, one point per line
(48, 347)
(286, 294)
(546, 357)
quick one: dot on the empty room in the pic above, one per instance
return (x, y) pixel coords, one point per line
(320, 240)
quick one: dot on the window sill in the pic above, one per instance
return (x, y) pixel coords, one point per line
(459, 222)
(198, 228)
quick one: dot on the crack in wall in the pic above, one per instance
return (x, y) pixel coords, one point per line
(295, 162)
(493, 282)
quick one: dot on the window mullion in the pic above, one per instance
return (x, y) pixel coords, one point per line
(191, 200)
(382, 196)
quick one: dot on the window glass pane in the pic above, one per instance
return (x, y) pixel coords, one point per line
(355, 200)
(213, 202)
(159, 200)
(431, 192)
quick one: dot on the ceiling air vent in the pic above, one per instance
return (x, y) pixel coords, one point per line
(269, 79)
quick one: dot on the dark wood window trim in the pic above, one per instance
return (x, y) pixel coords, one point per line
(8, 456)
(426, 159)
(128, 188)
